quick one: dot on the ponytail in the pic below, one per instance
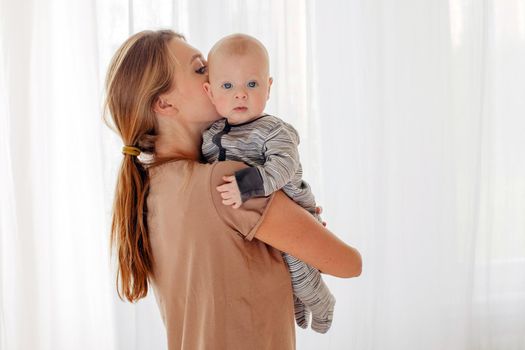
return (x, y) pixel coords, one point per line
(141, 70)
(129, 230)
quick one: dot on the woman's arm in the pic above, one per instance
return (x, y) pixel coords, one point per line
(284, 225)
(293, 230)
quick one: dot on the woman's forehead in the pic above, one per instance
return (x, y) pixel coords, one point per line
(183, 52)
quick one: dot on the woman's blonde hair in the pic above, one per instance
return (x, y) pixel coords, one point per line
(141, 70)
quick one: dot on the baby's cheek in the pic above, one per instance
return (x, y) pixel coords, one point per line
(222, 106)
(261, 103)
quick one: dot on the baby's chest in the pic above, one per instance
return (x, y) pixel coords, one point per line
(243, 148)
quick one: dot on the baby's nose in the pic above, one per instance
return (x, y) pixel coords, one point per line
(241, 94)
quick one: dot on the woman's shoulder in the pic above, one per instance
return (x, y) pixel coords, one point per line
(189, 171)
(192, 185)
(175, 173)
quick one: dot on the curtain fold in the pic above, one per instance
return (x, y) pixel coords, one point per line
(57, 289)
(411, 123)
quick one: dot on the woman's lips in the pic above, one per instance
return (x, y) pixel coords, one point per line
(240, 109)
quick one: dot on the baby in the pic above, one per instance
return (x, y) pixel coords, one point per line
(239, 86)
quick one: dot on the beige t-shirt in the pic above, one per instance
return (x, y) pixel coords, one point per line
(216, 287)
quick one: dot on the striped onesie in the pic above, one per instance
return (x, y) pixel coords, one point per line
(269, 146)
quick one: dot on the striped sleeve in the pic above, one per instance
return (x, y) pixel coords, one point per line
(281, 158)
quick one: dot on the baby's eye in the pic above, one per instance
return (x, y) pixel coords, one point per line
(202, 70)
(252, 84)
(227, 86)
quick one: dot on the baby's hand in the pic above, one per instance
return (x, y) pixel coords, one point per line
(230, 192)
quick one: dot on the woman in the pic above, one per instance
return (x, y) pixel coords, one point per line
(217, 272)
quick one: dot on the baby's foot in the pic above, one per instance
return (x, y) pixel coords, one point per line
(322, 319)
(302, 314)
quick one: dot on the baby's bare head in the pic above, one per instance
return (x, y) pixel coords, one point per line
(238, 46)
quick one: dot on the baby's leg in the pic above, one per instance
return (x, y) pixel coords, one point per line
(309, 288)
(302, 314)
(307, 283)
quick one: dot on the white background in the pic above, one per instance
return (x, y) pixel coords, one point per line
(411, 116)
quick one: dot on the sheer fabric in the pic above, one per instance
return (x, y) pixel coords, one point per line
(411, 122)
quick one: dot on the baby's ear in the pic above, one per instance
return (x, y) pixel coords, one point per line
(207, 88)
(270, 81)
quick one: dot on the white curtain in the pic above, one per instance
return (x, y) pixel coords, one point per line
(411, 116)
(423, 101)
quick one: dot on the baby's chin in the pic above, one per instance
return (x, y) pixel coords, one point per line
(239, 118)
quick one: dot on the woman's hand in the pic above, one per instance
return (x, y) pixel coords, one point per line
(230, 192)
(318, 211)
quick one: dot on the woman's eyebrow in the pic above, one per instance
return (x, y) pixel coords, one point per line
(197, 55)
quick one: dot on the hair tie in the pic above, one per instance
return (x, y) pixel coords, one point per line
(132, 151)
